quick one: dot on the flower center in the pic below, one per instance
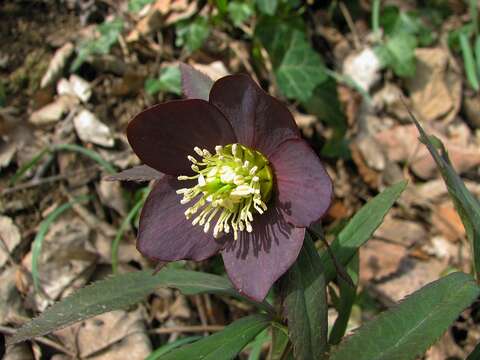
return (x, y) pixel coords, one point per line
(232, 185)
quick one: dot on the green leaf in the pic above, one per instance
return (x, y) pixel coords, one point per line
(465, 203)
(301, 69)
(239, 12)
(280, 342)
(360, 228)
(168, 81)
(3, 95)
(305, 304)
(109, 34)
(347, 298)
(223, 345)
(256, 345)
(268, 7)
(477, 53)
(137, 5)
(158, 353)
(475, 354)
(399, 53)
(119, 292)
(411, 327)
(192, 35)
(469, 61)
(42, 231)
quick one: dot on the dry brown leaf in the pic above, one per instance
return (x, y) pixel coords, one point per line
(57, 64)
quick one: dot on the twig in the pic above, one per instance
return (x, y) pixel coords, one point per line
(351, 25)
(187, 329)
(10, 331)
(48, 179)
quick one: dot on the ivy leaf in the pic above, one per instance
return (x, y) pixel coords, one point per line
(268, 7)
(119, 292)
(239, 12)
(225, 344)
(305, 304)
(109, 33)
(411, 327)
(192, 35)
(301, 69)
(168, 81)
(399, 53)
(297, 67)
(360, 228)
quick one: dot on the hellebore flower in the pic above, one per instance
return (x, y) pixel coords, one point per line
(238, 179)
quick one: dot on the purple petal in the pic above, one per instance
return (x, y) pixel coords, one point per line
(163, 135)
(195, 84)
(259, 120)
(137, 173)
(165, 234)
(302, 183)
(256, 260)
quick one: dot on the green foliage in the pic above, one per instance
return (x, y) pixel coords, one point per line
(168, 81)
(223, 345)
(360, 228)
(192, 35)
(109, 33)
(305, 304)
(267, 7)
(298, 68)
(256, 345)
(158, 353)
(137, 5)
(404, 31)
(3, 95)
(280, 342)
(469, 61)
(42, 231)
(239, 12)
(465, 203)
(346, 301)
(119, 292)
(398, 52)
(410, 328)
(475, 354)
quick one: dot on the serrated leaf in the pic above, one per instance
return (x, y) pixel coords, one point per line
(360, 228)
(305, 304)
(465, 203)
(268, 7)
(119, 292)
(195, 84)
(410, 328)
(168, 81)
(301, 69)
(223, 345)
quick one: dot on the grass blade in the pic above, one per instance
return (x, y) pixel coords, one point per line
(469, 61)
(89, 153)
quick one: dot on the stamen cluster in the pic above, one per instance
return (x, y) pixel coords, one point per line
(233, 183)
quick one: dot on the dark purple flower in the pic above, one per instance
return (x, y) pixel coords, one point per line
(236, 167)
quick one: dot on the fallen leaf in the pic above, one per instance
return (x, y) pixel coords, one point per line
(54, 111)
(9, 238)
(57, 64)
(90, 129)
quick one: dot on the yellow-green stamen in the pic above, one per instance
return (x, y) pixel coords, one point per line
(232, 185)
